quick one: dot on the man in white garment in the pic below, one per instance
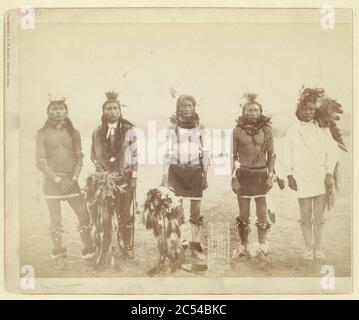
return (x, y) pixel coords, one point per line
(186, 163)
(309, 162)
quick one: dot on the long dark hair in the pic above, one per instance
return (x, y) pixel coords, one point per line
(177, 118)
(104, 126)
(118, 132)
(68, 123)
(182, 99)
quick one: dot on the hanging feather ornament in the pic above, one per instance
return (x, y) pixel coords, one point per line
(327, 115)
(164, 217)
(174, 95)
(327, 112)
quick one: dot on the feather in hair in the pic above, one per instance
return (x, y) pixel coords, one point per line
(111, 95)
(173, 93)
(327, 115)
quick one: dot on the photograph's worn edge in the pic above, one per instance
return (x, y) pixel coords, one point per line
(353, 259)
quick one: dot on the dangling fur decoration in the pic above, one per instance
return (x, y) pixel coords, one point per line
(100, 190)
(164, 217)
(101, 186)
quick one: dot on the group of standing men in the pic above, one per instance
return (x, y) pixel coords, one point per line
(309, 164)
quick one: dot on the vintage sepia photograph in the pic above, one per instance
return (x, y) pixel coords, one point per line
(178, 150)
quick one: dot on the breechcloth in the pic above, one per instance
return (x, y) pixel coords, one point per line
(186, 180)
(252, 181)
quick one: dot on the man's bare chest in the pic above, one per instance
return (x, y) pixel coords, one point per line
(244, 139)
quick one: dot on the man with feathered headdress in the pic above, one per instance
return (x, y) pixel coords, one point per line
(59, 158)
(311, 155)
(253, 170)
(114, 150)
(186, 162)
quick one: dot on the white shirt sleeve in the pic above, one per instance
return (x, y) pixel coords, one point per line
(204, 145)
(170, 143)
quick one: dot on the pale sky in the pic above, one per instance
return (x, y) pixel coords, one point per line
(216, 63)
